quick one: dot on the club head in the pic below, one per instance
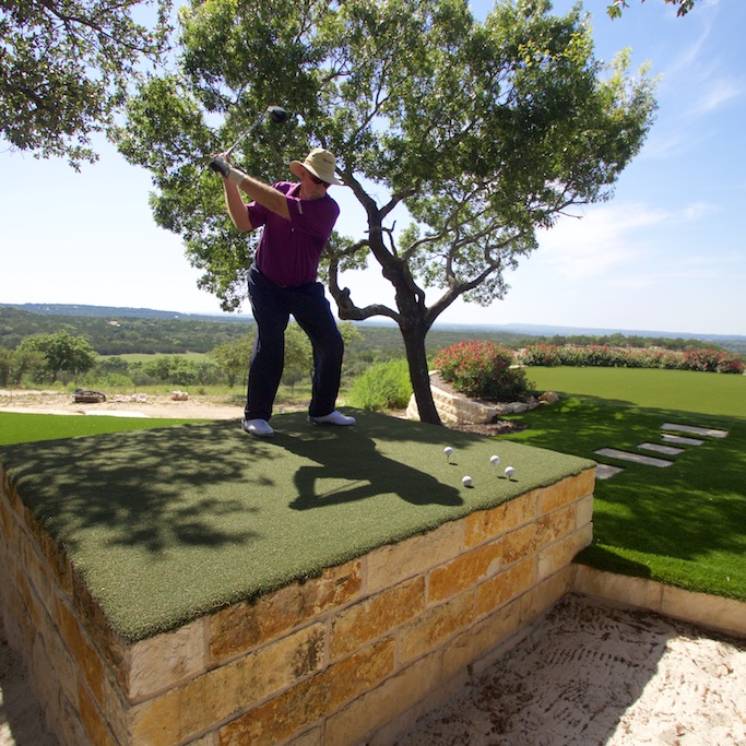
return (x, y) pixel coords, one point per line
(277, 114)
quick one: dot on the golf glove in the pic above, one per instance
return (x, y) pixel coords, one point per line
(222, 167)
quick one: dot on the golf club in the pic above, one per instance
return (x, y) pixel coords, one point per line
(275, 113)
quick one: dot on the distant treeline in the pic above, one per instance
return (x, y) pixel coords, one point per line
(113, 335)
(119, 335)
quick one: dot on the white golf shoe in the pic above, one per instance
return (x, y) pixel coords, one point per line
(333, 418)
(258, 428)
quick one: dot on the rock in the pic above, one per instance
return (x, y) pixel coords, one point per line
(86, 396)
(549, 397)
(179, 396)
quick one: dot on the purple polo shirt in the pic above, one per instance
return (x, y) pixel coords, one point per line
(289, 250)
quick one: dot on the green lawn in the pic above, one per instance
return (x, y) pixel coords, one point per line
(684, 525)
(26, 428)
(689, 391)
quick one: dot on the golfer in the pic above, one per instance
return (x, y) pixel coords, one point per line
(298, 218)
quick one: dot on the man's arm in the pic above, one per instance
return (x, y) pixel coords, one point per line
(236, 208)
(266, 195)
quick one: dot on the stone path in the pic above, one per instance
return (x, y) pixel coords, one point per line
(604, 471)
(592, 674)
(636, 457)
(694, 430)
(681, 440)
(668, 450)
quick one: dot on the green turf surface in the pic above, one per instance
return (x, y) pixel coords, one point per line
(685, 524)
(168, 524)
(686, 390)
(26, 428)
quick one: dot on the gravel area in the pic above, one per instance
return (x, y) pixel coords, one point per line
(589, 674)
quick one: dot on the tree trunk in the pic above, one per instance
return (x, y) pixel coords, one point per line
(419, 375)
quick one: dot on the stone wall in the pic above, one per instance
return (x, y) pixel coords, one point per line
(456, 409)
(329, 661)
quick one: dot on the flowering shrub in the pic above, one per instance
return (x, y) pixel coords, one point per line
(631, 357)
(542, 354)
(481, 370)
(730, 364)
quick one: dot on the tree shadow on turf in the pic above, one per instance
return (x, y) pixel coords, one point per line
(155, 489)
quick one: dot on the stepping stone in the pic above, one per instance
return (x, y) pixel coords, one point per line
(636, 457)
(668, 450)
(604, 471)
(679, 440)
(693, 430)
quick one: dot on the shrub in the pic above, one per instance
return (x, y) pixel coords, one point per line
(542, 354)
(382, 386)
(730, 364)
(481, 370)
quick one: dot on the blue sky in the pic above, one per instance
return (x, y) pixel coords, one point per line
(668, 252)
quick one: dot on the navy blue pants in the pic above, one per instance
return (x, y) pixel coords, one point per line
(271, 306)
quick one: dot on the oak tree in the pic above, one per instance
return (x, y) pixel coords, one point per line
(477, 132)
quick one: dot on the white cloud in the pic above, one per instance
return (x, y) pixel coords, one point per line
(698, 210)
(717, 93)
(605, 238)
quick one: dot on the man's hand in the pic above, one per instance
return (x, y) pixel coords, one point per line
(220, 165)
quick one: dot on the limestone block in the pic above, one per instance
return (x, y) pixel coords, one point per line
(210, 739)
(566, 491)
(312, 699)
(69, 728)
(7, 524)
(555, 525)
(164, 660)
(544, 595)
(484, 525)
(716, 612)
(623, 589)
(434, 626)
(393, 563)
(481, 638)
(463, 572)
(243, 626)
(112, 648)
(520, 543)
(38, 576)
(82, 652)
(562, 552)
(93, 723)
(313, 737)
(495, 592)
(584, 512)
(376, 616)
(378, 707)
(55, 555)
(60, 665)
(217, 694)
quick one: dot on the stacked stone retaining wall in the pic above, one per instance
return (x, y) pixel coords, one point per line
(329, 661)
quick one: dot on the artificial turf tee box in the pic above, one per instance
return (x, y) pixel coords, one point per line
(171, 584)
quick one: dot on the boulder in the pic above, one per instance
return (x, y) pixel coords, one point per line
(179, 396)
(549, 397)
(86, 396)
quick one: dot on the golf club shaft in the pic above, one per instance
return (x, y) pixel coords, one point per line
(245, 134)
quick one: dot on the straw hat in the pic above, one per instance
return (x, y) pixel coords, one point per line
(321, 163)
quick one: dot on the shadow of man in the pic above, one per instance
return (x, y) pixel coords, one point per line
(350, 457)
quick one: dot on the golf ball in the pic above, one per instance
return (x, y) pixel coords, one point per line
(509, 471)
(448, 451)
(467, 481)
(495, 460)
